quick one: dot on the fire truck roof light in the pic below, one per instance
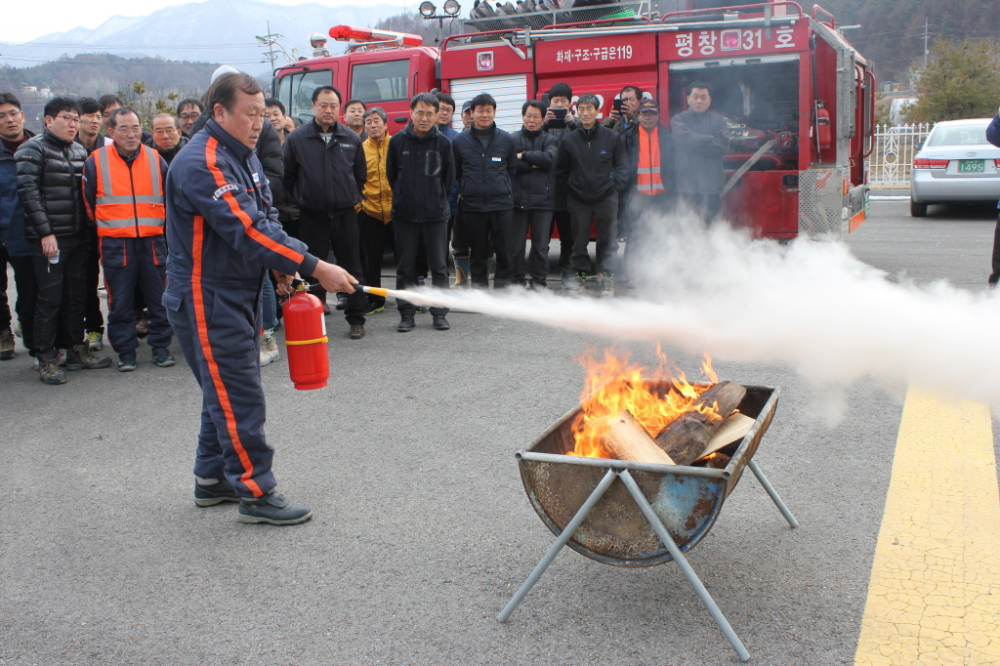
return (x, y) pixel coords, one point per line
(317, 40)
(427, 8)
(452, 8)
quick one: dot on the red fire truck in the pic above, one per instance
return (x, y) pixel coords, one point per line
(799, 98)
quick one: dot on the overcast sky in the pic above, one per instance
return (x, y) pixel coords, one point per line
(21, 20)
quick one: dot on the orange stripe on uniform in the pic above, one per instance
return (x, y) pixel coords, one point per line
(264, 240)
(213, 367)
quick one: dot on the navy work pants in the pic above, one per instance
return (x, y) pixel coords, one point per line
(408, 241)
(539, 222)
(133, 266)
(62, 294)
(27, 293)
(94, 318)
(488, 233)
(218, 327)
(605, 214)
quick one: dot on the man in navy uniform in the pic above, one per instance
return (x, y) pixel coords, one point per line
(223, 233)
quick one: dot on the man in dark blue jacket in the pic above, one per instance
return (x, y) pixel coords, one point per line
(421, 170)
(534, 196)
(14, 249)
(325, 167)
(223, 233)
(993, 136)
(485, 161)
(594, 171)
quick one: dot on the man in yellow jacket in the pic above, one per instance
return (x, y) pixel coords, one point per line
(375, 209)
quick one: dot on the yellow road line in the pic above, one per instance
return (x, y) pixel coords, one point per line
(934, 595)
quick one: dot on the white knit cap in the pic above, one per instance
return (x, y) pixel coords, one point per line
(223, 69)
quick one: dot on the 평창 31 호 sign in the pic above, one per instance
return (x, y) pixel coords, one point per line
(722, 42)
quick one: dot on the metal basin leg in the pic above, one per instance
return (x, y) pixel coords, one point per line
(564, 537)
(772, 493)
(682, 562)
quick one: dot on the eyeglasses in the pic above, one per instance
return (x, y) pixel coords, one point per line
(129, 131)
(72, 120)
(424, 114)
(13, 115)
(164, 132)
(190, 115)
(327, 106)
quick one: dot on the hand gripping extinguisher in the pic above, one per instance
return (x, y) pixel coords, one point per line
(305, 335)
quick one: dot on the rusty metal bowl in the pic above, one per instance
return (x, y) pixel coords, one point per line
(687, 499)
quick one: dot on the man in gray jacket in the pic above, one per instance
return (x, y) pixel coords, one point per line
(701, 139)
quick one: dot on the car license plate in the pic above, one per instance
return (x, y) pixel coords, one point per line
(971, 166)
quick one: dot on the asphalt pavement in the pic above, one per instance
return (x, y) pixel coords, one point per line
(422, 528)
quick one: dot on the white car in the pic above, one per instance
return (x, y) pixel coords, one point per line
(956, 164)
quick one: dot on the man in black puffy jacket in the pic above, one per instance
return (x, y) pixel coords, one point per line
(49, 173)
(534, 195)
(421, 170)
(485, 161)
(594, 170)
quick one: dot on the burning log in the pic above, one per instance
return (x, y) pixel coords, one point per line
(686, 437)
(733, 429)
(625, 439)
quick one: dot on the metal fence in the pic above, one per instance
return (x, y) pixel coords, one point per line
(892, 159)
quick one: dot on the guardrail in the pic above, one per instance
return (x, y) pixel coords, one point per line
(891, 160)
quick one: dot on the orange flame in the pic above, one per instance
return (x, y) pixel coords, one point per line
(615, 384)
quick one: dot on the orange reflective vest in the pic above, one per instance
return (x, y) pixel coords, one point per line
(648, 179)
(129, 202)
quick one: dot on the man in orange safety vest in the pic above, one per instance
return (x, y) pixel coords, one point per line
(123, 190)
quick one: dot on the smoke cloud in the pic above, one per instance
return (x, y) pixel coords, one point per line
(810, 305)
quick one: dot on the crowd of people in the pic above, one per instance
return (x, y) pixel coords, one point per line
(89, 196)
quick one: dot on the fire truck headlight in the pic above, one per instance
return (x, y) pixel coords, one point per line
(452, 8)
(427, 9)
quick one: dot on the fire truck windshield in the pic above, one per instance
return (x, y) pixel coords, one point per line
(295, 91)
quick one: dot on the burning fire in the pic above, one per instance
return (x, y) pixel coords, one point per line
(615, 384)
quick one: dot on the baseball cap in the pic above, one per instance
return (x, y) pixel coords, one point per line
(466, 105)
(649, 105)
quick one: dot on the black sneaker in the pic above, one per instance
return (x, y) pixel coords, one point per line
(406, 324)
(162, 357)
(273, 509)
(217, 493)
(126, 361)
(341, 301)
(440, 323)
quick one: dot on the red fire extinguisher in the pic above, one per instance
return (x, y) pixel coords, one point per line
(824, 130)
(305, 335)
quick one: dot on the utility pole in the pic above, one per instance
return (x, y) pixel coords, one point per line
(927, 35)
(269, 40)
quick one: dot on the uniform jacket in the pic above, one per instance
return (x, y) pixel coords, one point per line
(421, 172)
(49, 174)
(486, 174)
(324, 177)
(700, 141)
(133, 162)
(222, 227)
(592, 164)
(667, 158)
(376, 196)
(11, 209)
(535, 181)
(268, 152)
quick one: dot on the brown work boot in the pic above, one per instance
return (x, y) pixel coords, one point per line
(357, 331)
(81, 358)
(50, 372)
(6, 344)
(141, 325)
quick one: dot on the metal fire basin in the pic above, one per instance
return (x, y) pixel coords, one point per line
(687, 499)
